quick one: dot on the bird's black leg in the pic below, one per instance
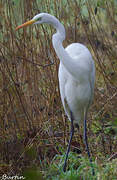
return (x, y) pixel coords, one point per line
(87, 147)
(68, 149)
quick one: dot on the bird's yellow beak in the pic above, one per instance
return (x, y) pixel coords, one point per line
(26, 24)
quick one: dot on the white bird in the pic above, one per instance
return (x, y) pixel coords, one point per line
(76, 76)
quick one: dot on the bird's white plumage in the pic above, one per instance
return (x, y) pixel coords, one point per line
(78, 93)
(76, 71)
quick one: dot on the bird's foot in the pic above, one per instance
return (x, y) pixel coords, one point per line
(64, 167)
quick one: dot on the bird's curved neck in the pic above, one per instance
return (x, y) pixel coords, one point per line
(62, 54)
(57, 40)
(59, 36)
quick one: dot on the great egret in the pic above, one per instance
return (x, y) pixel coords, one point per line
(76, 76)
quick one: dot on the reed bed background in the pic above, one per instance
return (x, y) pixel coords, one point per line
(33, 125)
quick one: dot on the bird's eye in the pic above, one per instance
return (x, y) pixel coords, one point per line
(39, 19)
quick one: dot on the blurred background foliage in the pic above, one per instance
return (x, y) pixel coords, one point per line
(33, 125)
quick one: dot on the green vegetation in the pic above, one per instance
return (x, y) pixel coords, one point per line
(34, 130)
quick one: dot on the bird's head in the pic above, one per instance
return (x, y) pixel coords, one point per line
(38, 19)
